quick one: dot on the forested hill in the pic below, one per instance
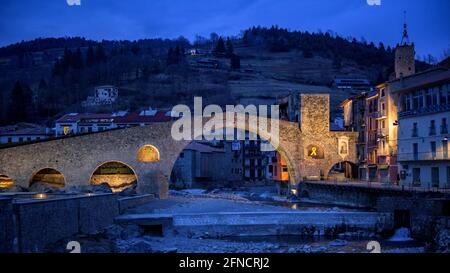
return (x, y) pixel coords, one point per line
(49, 76)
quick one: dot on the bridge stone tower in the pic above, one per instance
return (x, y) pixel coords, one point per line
(405, 56)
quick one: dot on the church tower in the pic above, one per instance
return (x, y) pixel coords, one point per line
(405, 56)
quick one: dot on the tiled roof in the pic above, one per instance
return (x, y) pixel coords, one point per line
(133, 117)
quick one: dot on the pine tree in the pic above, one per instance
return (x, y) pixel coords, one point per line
(90, 56)
(100, 54)
(77, 60)
(230, 48)
(19, 105)
(220, 47)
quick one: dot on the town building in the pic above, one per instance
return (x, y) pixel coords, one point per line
(352, 84)
(23, 132)
(103, 95)
(355, 121)
(423, 122)
(81, 123)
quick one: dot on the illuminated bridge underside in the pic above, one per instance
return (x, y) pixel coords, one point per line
(78, 158)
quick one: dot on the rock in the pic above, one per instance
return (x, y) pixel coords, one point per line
(102, 188)
(320, 249)
(113, 232)
(139, 246)
(44, 188)
(129, 191)
(338, 242)
(15, 188)
(130, 231)
(442, 239)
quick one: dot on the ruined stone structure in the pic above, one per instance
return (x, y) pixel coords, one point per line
(310, 151)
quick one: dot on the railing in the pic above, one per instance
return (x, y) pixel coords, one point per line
(381, 114)
(380, 185)
(427, 156)
(425, 110)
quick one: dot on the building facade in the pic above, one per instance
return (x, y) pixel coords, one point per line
(23, 132)
(423, 119)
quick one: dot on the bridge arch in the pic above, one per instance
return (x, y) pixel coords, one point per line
(149, 153)
(286, 141)
(342, 170)
(47, 177)
(117, 174)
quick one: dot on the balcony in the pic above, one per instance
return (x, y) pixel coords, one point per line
(381, 114)
(382, 132)
(423, 156)
(425, 110)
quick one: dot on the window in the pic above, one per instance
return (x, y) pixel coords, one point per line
(415, 132)
(445, 149)
(448, 176)
(383, 93)
(9, 139)
(28, 138)
(432, 127)
(416, 151)
(408, 106)
(435, 177)
(416, 177)
(444, 129)
(182, 155)
(442, 96)
(433, 149)
(20, 139)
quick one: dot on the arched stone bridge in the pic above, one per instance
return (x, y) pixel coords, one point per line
(76, 158)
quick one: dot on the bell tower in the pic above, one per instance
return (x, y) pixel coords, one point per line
(405, 55)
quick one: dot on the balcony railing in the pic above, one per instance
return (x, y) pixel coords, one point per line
(425, 110)
(429, 156)
(381, 114)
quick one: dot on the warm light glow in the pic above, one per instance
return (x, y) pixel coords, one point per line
(5, 182)
(40, 196)
(117, 175)
(294, 191)
(148, 153)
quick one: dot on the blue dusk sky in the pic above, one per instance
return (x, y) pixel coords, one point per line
(428, 20)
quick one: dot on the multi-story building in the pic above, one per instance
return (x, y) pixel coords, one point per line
(23, 132)
(371, 133)
(423, 122)
(81, 123)
(355, 120)
(103, 95)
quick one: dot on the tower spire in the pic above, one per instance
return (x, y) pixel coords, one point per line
(405, 37)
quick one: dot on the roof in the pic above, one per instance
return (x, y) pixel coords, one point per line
(76, 117)
(135, 117)
(428, 77)
(24, 129)
(202, 148)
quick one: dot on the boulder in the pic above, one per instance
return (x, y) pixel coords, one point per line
(101, 188)
(13, 189)
(44, 188)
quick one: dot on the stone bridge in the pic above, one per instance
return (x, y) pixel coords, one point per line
(309, 148)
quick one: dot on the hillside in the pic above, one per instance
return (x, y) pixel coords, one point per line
(57, 74)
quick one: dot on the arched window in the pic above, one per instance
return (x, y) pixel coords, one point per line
(148, 153)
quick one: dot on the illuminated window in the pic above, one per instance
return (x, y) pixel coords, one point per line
(148, 153)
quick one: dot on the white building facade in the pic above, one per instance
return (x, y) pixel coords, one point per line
(423, 122)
